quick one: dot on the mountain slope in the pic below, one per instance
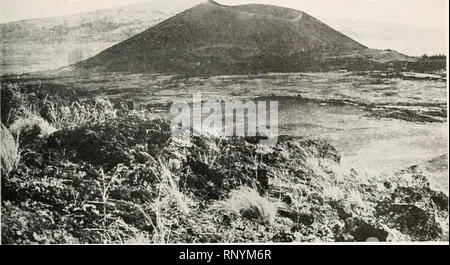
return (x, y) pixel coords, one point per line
(212, 39)
(112, 24)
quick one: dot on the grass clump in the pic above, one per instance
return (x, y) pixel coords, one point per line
(246, 202)
(78, 114)
(32, 123)
(10, 151)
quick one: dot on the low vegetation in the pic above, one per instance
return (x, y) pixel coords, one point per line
(10, 152)
(93, 171)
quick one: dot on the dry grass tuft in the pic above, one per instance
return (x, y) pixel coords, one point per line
(168, 184)
(247, 203)
(30, 122)
(10, 152)
(333, 192)
(355, 198)
(79, 114)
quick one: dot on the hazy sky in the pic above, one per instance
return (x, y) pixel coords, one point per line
(413, 27)
(427, 13)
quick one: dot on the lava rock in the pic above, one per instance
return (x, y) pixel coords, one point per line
(300, 218)
(263, 180)
(440, 199)
(362, 230)
(412, 211)
(283, 237)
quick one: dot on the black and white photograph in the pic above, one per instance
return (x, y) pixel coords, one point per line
(165, 122)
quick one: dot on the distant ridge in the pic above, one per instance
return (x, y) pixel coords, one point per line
(211, 38)
(44, 44)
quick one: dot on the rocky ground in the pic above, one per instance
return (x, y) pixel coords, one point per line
(98, 172)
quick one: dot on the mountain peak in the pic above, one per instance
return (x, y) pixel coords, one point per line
(214, 3)
(237, 39)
